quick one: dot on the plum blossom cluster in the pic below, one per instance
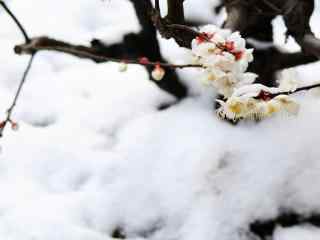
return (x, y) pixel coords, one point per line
(225, 59)
(256, 102)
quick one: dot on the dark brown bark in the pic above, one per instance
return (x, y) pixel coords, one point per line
(176, 11)
(253, 18)
(265, 229)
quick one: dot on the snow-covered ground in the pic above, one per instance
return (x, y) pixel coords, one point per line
(93, 153)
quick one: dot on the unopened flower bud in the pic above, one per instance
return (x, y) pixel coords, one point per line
(144, 60)
(14, 126)
(123, 67)
(158, 73)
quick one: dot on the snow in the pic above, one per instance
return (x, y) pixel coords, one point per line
(93, 153)
(297, 233)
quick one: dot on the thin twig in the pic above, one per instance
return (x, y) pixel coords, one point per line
(48, 44)
(305, 88)
(17, 22)
(17, 95)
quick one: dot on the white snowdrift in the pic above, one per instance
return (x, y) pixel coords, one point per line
(93, 153)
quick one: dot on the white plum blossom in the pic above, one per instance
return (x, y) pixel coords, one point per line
(225, 58)
(256, 101)
(254, 90)
(246, 79)
(288, 104)
(288, 80)
(224, 81)
(210, 28)
(239, 42)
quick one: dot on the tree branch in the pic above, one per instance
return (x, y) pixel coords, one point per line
(237, 19)
(145, 43)
(97, 52)
(49, 44)
(289, 60)
(305, 88)
(175, 11)
(8, 119)
(17, 22)
(170, 26)
(264, 229)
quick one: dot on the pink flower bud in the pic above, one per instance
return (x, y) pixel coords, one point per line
(14, 126)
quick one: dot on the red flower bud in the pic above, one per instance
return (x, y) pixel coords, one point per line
(144, 60)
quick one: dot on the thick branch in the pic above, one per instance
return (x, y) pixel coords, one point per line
(289, 60)
(175, 11)
(265, 229)
(237, 17)
(143, 11)
(242, 15)
(170, 27)
(144, 44)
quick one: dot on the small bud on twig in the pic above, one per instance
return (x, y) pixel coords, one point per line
(158, 73)
(14, 126)
(123, 67)
(144, 60)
